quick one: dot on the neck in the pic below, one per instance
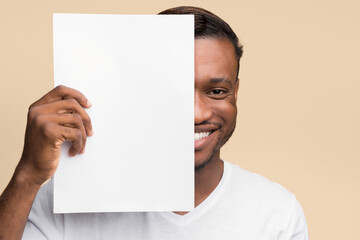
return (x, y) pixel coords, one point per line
(206, 179)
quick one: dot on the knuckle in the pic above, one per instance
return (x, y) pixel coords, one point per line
(31, 107)
(78, 134)
(76, 117)
(30, 115)
(46, 130)
(78, 137)
(71, 101)
(60, 89)
(37, 120)
(85, 116)
(87, 120)
(33, 111)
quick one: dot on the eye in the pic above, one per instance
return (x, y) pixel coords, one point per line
(217, 92)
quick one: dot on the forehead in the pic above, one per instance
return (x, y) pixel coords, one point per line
(214, 58)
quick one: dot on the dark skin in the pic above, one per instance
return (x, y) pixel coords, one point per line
(216, 87)
(57, 117)
(60, 116)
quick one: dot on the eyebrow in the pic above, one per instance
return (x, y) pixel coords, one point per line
(220, 80)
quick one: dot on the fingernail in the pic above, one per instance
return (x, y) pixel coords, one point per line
(88, 103)
(91, 132)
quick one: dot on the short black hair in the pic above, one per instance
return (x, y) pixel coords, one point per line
(208, 25)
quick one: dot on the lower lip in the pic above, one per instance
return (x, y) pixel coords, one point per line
(202, 142)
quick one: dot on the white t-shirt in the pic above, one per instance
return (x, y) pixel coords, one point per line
(244, 206)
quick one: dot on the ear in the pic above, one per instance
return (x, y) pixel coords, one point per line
(236, 88)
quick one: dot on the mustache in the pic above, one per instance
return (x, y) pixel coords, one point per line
(209, 123)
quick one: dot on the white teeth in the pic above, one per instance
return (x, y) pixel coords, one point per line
(201, 135)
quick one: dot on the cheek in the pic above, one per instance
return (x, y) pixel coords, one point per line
(225, 111)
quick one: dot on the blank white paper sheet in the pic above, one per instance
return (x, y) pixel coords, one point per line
(138, 73)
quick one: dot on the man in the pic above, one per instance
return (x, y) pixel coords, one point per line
(231, 203)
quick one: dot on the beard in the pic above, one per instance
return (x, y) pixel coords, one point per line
(217, 147)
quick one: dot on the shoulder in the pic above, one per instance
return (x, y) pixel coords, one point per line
(259, 197)
(252, 185)
(262, 205)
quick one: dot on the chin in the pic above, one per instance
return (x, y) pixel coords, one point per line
(210, 152)
(202, 159)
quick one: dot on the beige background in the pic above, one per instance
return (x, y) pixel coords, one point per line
(299, 115)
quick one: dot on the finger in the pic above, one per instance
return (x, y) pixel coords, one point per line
(70, 121)
(74, 135)
(60, 93)
(58, 134)
(64, 106)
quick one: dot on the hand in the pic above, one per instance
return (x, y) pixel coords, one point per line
(57, 117)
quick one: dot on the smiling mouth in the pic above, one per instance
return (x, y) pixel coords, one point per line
(201, 135)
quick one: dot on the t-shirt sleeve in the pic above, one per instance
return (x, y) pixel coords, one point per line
(42, 222)
(297, 226)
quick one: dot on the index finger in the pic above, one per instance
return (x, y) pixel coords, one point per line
(60, 93)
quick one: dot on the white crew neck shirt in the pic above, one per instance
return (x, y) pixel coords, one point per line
(243, 206)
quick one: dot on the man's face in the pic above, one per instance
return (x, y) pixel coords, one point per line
(215, 97)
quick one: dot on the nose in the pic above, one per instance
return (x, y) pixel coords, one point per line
(202, 111)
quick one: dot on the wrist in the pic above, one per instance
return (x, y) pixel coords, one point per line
(23, 175)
